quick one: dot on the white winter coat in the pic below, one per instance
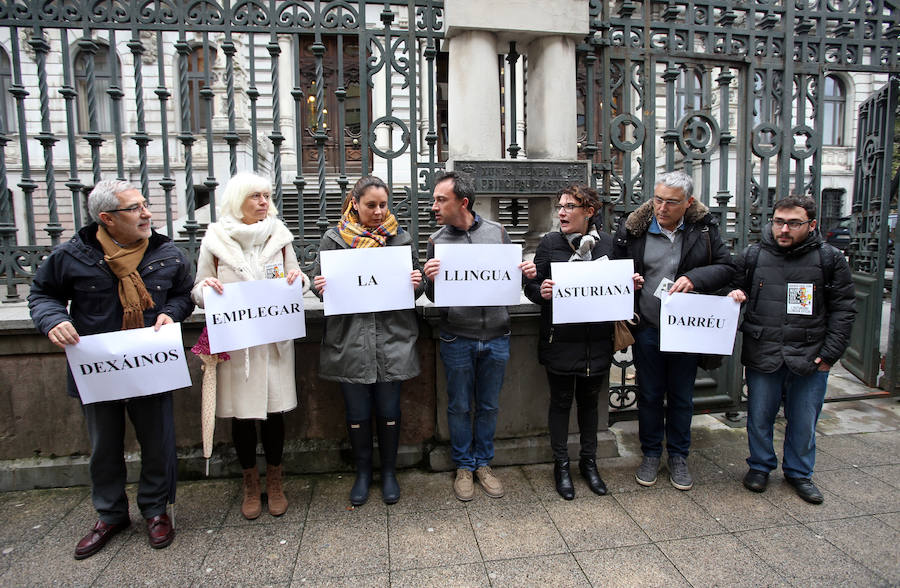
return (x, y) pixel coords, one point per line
(258, 380)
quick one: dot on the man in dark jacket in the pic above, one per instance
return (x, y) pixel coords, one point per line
(796, 326)
(671, 237)
(117, 273)
(474, 341)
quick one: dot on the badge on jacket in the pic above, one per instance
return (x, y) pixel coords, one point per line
(274, 270)
(799, 298)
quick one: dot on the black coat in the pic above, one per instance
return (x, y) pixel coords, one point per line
(772, 337)
(705, 259)
(76, 273)
(582, 349)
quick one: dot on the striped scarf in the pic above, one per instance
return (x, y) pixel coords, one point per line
(356, 235)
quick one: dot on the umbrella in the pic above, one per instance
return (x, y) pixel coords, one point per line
(208, 399)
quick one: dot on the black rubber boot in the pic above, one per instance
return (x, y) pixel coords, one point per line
(588, 468)
(563, 479)
(388, 442)
(361, 441)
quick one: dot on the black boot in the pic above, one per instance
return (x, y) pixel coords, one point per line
(361, 441)
(388, 441)
(563, 479)
(588, 468)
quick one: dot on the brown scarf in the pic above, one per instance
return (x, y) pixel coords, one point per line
(123, 261)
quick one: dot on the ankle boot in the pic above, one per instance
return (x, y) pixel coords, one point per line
(251, 507)
(388, 442)
(275, 491)
(361, 442)
(588, 468)
(563, 479)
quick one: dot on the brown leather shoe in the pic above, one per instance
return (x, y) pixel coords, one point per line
(160, 530)
(97, 538)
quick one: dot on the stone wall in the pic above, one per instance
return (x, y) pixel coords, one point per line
(43, 439)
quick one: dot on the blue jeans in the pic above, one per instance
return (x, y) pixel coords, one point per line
(663, 376)
(803, 399)
(475, 372)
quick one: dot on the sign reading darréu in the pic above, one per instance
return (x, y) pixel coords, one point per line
(128, 364)
(698, 323)
(592, 291)
(372, 279)
(254, 313)
(478, 275)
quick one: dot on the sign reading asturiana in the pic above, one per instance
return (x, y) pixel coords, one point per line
(592, 291)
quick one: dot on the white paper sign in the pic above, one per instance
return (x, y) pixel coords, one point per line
(478, 275)
(698, 323)
(592, 291)
(128, 364)
(369, 279)
(254, 313)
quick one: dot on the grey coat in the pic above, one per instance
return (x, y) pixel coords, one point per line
(369, 347)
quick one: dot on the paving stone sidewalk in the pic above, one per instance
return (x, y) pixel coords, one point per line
(716, 534)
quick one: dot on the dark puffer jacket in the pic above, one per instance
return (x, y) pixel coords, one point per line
(581, 349)
(705, 259)
(772, 337)
(75, 272)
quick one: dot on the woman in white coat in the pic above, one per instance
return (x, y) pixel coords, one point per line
(249, 242)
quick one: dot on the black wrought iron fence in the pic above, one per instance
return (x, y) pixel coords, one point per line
(176, 96)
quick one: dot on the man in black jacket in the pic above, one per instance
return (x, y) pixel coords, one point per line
(796, 326)
(116, 274)
(671, 237)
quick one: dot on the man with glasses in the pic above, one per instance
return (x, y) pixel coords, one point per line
(676, 247)
(116, 274)
(796, 326)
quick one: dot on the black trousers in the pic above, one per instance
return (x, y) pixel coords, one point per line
(152, 419)
(243, 435)
(584, 390)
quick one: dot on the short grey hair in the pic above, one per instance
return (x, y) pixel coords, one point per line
(679, 180)
(241, 185)
(104, 196)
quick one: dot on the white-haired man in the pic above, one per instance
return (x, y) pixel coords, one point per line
(116, 274)
(670, 237)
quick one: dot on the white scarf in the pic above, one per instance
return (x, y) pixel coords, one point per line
(583, 247)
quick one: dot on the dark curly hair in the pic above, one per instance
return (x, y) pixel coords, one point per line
(585, 195)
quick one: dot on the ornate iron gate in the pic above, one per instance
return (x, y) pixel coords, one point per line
(870, 230)
(170, 91)
(734, 92)
(731, 92)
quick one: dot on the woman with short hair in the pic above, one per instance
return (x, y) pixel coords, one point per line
(576, 356)
(372, 353)
(248, 242)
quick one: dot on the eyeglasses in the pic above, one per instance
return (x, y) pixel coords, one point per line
(132, 209)
(260, 196)
(792, 224)
(664, 202)
(569, 207)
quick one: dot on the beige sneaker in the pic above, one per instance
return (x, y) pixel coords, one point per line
(490, 482)
(463, 486)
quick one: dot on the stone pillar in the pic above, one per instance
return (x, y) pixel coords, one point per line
(552, 129)
(551, 99)
(474, 101)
